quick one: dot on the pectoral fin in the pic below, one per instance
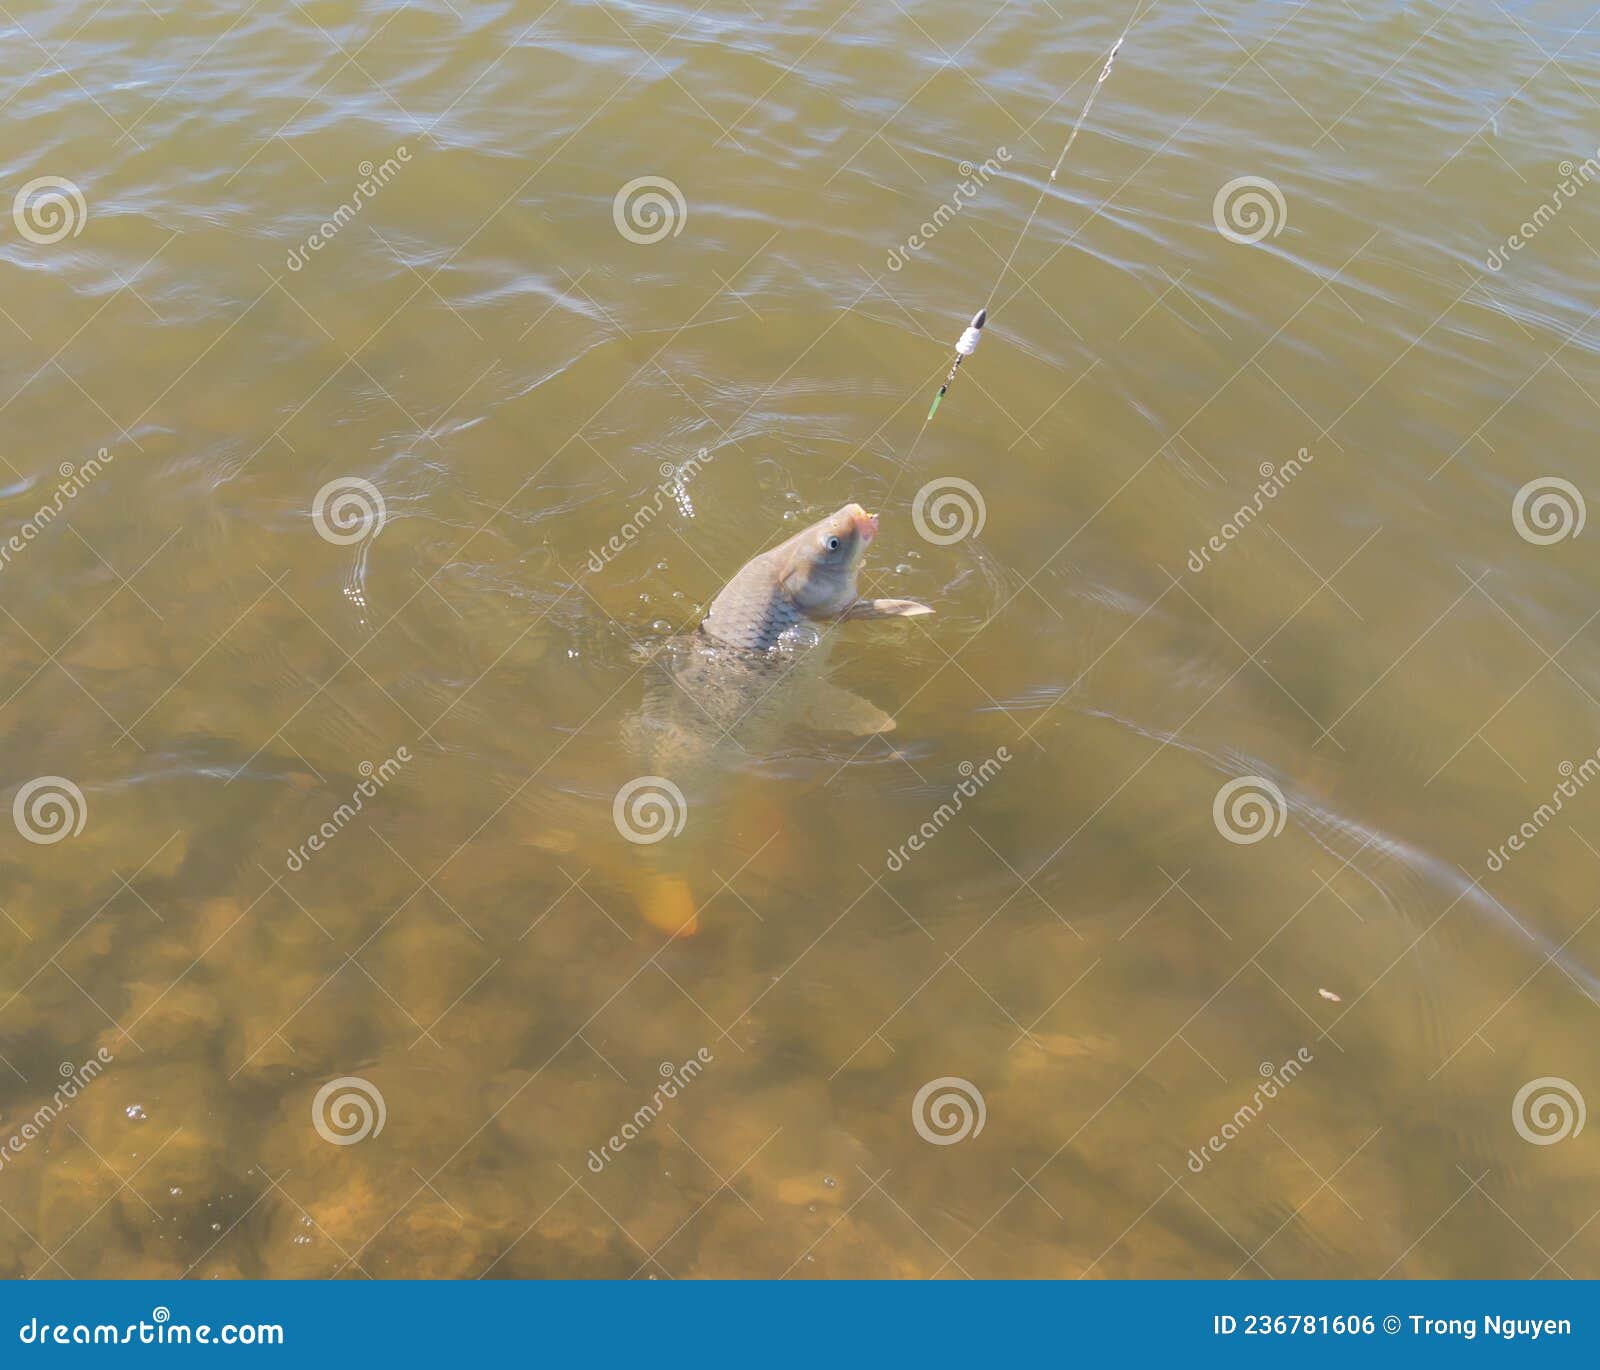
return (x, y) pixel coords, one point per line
(830, 709)
(887, 608)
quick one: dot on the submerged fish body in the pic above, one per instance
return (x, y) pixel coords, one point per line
(709, 707)
(719, 697)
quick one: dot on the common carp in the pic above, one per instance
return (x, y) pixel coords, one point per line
(812, 577)
(725, 693)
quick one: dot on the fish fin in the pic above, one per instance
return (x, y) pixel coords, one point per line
(666, 903)
(886, 608)
(647, 651)
(830, 709)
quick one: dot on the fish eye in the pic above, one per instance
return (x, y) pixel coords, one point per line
(833, 544)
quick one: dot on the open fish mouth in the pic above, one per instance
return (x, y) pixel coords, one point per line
(866, 524)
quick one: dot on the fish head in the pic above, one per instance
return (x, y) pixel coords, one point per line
(818, 572)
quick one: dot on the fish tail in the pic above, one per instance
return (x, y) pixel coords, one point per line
(666, 903)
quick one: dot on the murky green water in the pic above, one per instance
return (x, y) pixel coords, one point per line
(308, 244)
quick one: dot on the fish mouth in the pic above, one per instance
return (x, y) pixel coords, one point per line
(866, 524)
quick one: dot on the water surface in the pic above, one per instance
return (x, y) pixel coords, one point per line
(371, 241)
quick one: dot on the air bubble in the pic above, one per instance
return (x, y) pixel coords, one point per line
(798, 637)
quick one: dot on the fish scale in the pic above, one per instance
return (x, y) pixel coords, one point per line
(752, 610)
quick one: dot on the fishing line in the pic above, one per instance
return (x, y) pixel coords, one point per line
(968, 342)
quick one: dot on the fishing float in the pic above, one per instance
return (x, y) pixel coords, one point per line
(967, 343)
